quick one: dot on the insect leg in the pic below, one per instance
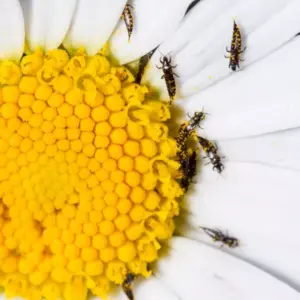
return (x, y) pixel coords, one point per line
(242, 50)
(209, 232)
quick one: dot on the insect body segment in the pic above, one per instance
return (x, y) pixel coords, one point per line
(127, 16)
(127, 286)
(235, 49)
(218, 236)
(212, 153)
(167, 68)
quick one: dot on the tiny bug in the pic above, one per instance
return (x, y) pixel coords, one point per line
(195, 120)
(189, 170)
(181, 138)
(185, 131)
(127, 286)
(218, 236)
(167, 68)
(143, 62)
(235, 50)
(127, 16)
(212, 153)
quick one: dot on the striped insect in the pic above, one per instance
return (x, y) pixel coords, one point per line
(188, 166)
(143, 62)
(235, 50)
(218, 236)
(185, 131)
(127, 285)
(195, 120)
(211, 151)
(127, 16)
(167, 68)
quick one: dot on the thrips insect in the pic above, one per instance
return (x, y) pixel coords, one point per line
(127, 286)
(188, 165)
(195, 120)
(212, 153)
(167, 68)
(127, 16)
(142, 65)
(185, 131)
(235, 50)
(181, 139)
(218, 236)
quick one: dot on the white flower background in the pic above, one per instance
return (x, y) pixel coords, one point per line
(254, 117)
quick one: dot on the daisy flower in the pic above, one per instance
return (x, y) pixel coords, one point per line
(90, 170)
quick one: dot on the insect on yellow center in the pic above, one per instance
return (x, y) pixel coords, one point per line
(88, 186)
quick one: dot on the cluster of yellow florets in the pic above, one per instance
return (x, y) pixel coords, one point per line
(87, 176)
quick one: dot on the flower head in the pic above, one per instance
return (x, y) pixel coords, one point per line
(93, 170)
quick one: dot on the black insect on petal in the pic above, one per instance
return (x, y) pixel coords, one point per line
(211, 152)
(235, 50)
(127, 285)
(218, 236)
(188, 165)
(127, 16)
(143, 62)
(168, 75)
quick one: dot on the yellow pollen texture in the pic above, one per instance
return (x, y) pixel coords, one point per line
(88, 186)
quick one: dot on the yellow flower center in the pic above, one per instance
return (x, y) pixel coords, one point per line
(88, 184)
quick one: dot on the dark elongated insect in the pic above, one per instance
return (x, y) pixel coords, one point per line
(195, 120)
(143, 62)
(212, 153)
(188, 165)
(167, 68)
(181, 139)
(127, 285)
(185, 131)
(218, 236)
(235, 50)
(127, 16)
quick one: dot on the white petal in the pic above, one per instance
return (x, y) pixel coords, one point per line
(201, 61)
(270, 36)
(199, 17)
(154, 21)
(194, 24)
(93, 23)
(257, 204)
(262, 98)
(197, 271)
(280, 149)
(259, 31)
(47, 22)
(12, 33)
(59, 20)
